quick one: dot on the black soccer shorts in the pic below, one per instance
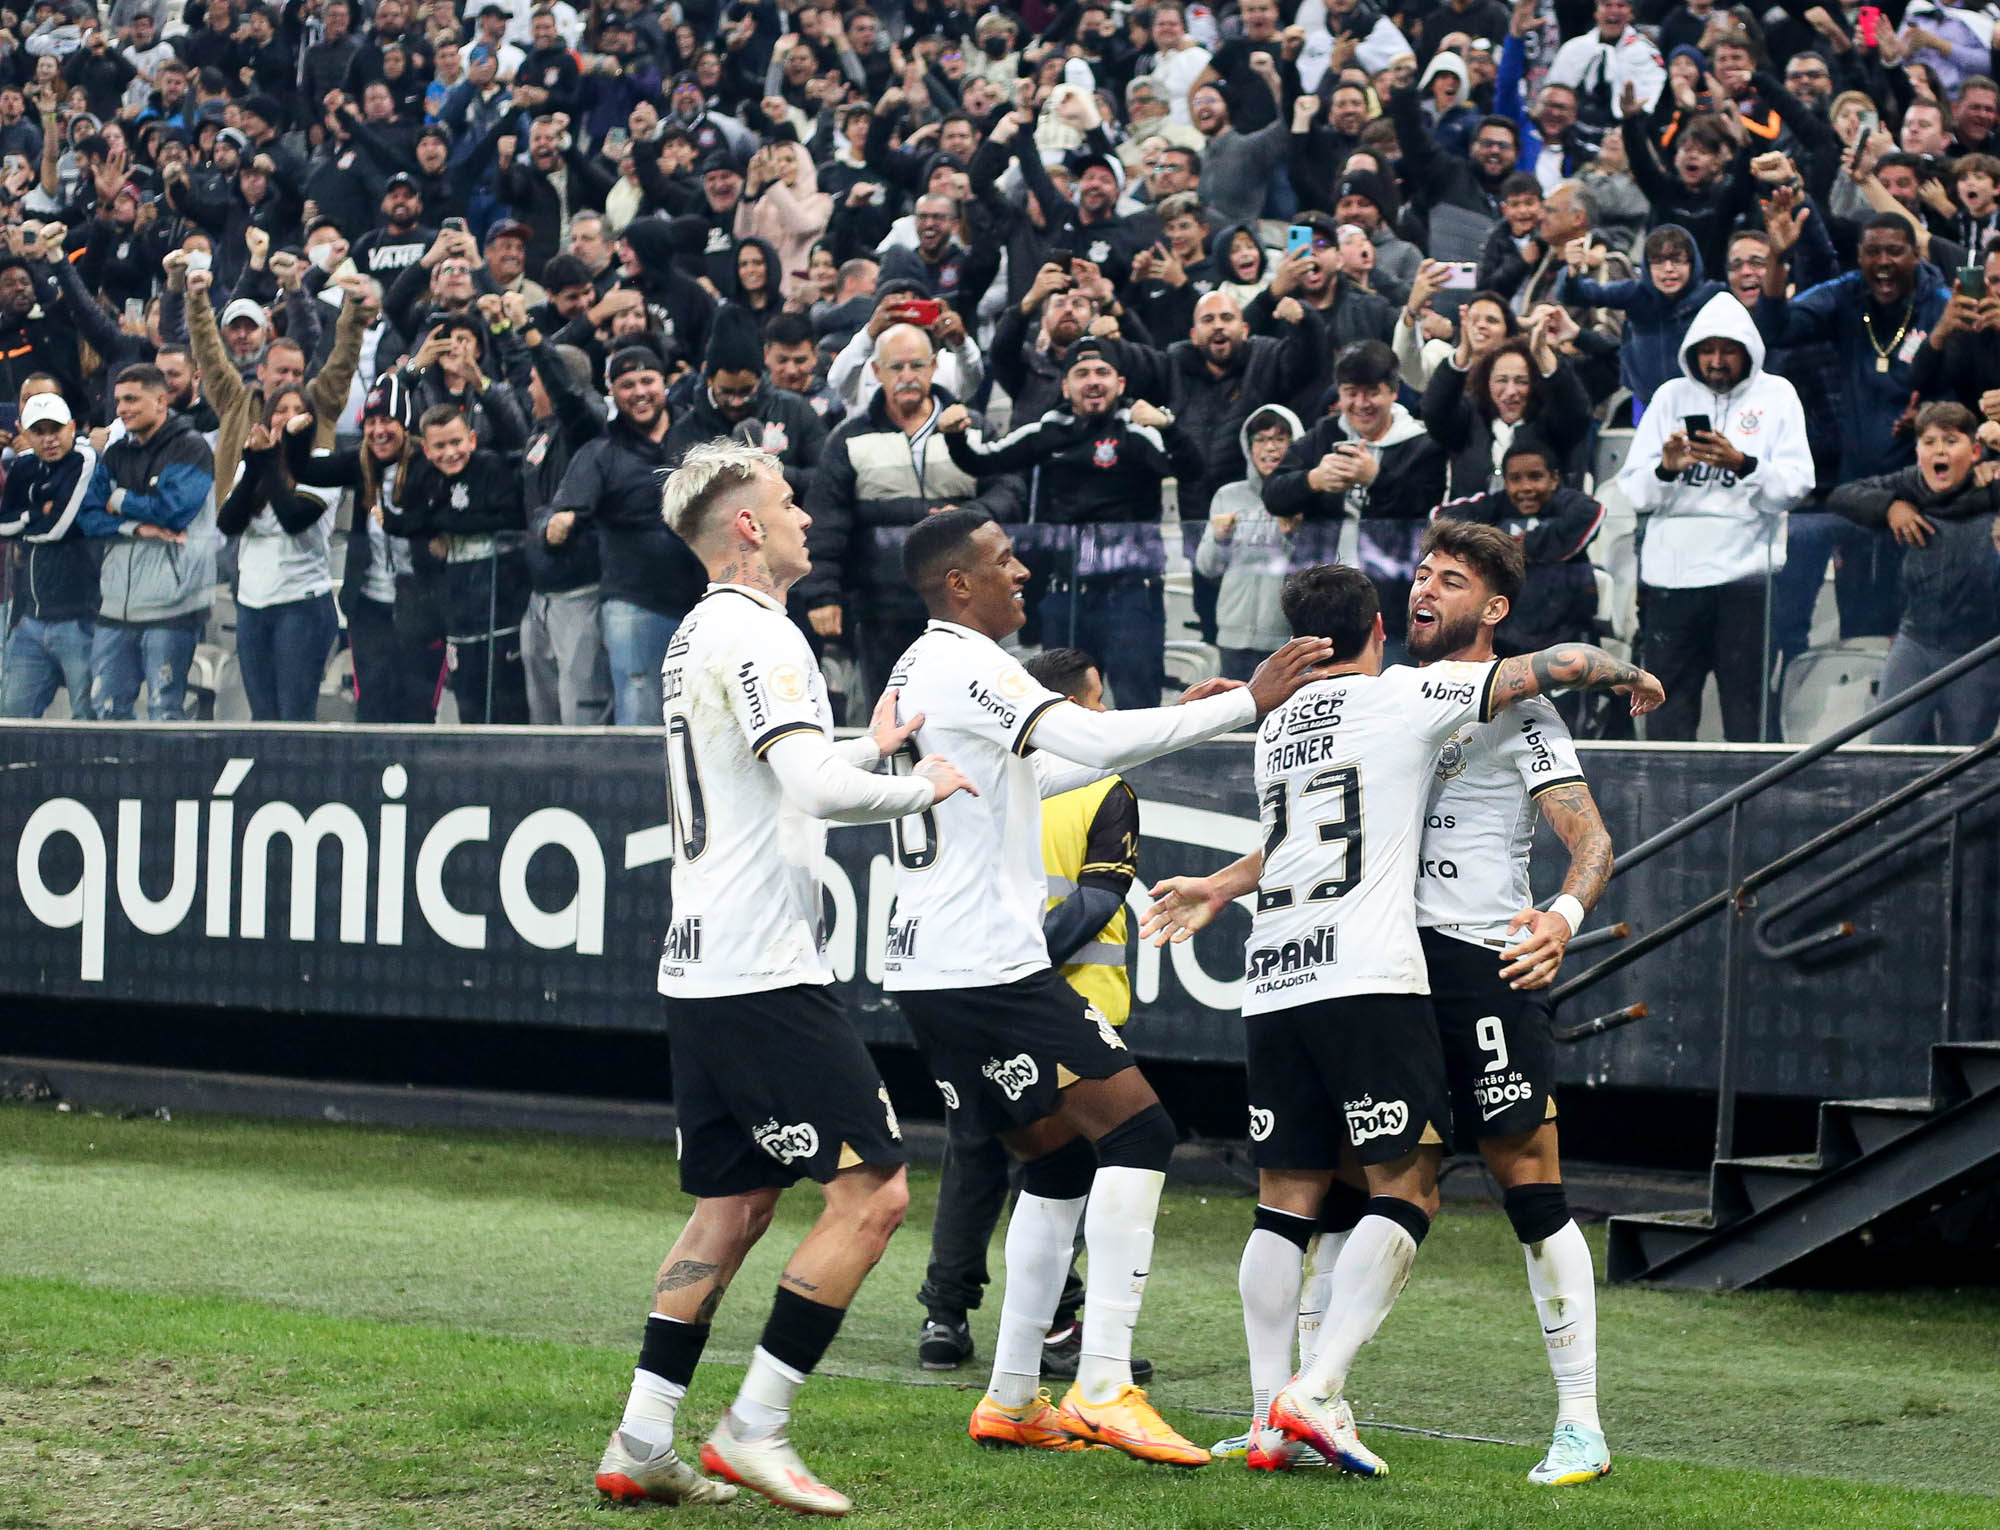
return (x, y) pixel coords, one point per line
(1001, 1056)
(1499, 1058)
(1364, 1069)
(771, 1088)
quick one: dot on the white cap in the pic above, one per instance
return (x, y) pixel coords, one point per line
(45, 409)
(244, 308)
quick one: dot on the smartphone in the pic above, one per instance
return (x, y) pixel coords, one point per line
(135, 310)
(922, 312)
(454, 225)
(200, 260)
(1868, 25)
(1870, 120)
(1298, 240)
(1061, 258)
(1460, 275)
(615, 141)
(1972, 281)
(1697, 425)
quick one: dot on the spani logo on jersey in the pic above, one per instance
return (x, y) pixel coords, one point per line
(684, 940)
(1366, 1119)
(902, 943)
(788, 1144)
(1320, 949)
(1261, 1122)
(1016, 1076)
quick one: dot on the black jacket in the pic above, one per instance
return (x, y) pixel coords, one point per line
(613, 484)
(873, 484)
(533, 198)
(1355, 314)
(480, 585)
(1558, 412)
(1091, 471)
(555, 440)
(54, 569)
(781, 423)
(1558, 600)
(1950, 585)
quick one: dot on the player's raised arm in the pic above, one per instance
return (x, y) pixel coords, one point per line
(1575, 667)
(1184, 905)
(1545, 934)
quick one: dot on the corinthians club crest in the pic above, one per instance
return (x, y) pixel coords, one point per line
(1105, 453)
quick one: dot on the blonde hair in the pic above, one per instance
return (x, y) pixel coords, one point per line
(707, 476)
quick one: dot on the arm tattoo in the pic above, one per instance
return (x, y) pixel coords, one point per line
(1574, 666)
(683, 1273)
(1572, 813)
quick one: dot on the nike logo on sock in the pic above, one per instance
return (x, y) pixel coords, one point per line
(1562, 1328)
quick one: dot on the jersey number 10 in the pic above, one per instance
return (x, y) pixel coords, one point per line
(1340, 830)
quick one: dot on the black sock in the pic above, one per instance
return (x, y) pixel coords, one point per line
(672, 1349)
(800, 1329)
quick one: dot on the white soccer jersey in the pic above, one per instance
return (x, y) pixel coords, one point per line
(970, 884)
(1473, 875)
(746, 913)
(1344, 771)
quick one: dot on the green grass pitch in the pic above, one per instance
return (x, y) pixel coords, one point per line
(230, 1324)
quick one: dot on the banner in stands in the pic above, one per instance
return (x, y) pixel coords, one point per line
(521, 876)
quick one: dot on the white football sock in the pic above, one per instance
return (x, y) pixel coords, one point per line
(1316, 1291)
(1370, 1274)
(1118, 1237)
(764, 1406)
(650, 1407)
(1040, 1236)
(1268, 1282)
(1565, 1289)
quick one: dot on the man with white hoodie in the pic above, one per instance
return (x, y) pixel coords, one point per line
(1719, 460)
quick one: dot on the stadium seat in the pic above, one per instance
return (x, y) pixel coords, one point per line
(1826, 688)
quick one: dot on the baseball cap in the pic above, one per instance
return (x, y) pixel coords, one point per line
(401, 178)
(632, 358)
(236, 138)
(244, 308)
(1089, 348)
(45, 409)
(721, 159)
(511, 228)
(1110, 162)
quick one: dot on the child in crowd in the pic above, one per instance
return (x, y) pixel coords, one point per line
(1249, 549)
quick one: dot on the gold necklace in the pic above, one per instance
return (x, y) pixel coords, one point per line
(1884, 352)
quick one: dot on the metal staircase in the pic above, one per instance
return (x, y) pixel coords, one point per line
(1889, 1175)
(1897, 1189)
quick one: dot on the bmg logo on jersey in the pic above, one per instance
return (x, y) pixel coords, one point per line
(902, 942)
(753, 694)
(1320, 949)
(1366, 1119)
(1008, 716)
(684, 939)
(1459, 693)
(797, 1143)
(1015, 1076)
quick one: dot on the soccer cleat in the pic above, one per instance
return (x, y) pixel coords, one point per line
(773, 1468)
(1576, 1454)
(1328, 1427)
(1270, 1451)
(1129, 1423)
(1232, 1449)
(1038, 1426)
(1063, 1349)
(944, 1345)
(628, 1474)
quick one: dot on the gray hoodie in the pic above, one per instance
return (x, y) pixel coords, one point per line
(1253, 563)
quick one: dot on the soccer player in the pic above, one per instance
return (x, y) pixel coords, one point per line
(1473, 901)
(1342, 1045)
(967, 960)
(771, 1082)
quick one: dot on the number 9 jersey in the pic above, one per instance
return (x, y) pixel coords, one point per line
(1344, 774)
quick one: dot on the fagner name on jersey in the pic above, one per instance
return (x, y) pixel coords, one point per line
(1320, 949)
(1299, 753)
(1458, 692)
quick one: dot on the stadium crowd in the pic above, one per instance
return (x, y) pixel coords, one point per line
(386, 323)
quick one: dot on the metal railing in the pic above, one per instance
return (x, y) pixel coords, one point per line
(1738, 892)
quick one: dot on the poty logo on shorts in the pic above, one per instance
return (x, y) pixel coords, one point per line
(788, 1144)
(949, 1094)
(1016, 1076)
(1104, 1027)
(1261, 1122)
(1366, 1119)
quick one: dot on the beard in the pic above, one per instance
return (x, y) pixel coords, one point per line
(1441, 637)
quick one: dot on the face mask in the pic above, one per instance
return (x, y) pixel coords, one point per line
(996, 47)
(321, 255)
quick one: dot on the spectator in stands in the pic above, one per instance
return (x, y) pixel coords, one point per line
(1474, 408)
(153, 497)
(1098, 465)
(554, 183)
(51, 567)
(1943, 518)
(650, 578)
(883, 470)
(1554, 525)
(1236, 167)
(792, 363)
(1658, 305)
(961, 367)
(1718, 461)
(1348, 313)
(1601, 64)
(1248, 550)
(1460, 198)
(735, 399)
(285, 618)
(1960, 358)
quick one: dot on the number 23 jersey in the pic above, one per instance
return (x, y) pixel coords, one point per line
(1344, 773)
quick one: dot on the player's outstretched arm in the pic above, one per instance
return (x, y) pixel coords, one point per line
(1575, 667)
(820, 783)
(1535, 959)
(1120, 740)
(1184, 905)
(884, 736)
